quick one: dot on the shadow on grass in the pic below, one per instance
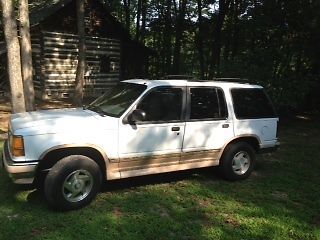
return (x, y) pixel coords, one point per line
(192, 204)
(136, 208)
(158, 179)
(281, 200)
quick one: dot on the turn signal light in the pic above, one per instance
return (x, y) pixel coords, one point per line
(17, 146)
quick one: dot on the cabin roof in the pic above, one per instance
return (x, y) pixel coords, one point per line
(39, 10)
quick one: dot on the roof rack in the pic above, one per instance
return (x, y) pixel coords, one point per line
(178, 77)
(191, 78)
(239, 80)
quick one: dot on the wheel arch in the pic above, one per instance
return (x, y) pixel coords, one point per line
(53, 155)
(252, 140)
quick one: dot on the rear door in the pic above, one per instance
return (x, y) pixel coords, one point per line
(208, 126)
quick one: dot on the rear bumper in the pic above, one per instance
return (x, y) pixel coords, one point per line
(20, 173)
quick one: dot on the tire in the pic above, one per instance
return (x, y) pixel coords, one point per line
(72, 183)
(237, 162)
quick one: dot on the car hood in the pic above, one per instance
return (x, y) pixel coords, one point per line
(60, 120)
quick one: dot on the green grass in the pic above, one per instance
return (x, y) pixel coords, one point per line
(281, 200)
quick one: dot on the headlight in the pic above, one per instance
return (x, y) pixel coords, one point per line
(17, 145)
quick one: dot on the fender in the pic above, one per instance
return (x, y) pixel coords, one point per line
(111, 165)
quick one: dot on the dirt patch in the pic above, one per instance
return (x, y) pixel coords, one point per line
(316, 221)
(281, 196)
(161, 211)
(116, 212)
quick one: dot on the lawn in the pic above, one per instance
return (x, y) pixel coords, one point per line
(281, 200)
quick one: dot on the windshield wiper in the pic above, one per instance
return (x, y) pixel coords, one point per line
(96, 109)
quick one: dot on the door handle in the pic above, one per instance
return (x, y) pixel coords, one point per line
(174, 129)
(226, 125)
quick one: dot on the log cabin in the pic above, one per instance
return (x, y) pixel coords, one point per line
(111, 54)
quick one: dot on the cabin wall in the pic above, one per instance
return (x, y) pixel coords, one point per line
(111, 53)
(36, 62)
(57, 59)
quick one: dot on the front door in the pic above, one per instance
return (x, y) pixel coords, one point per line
(157, 140)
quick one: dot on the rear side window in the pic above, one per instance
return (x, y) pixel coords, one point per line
(250, 103)
(207, 103)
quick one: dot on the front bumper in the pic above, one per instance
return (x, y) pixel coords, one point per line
(20, 173)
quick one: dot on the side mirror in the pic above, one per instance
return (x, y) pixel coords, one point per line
(137, 115)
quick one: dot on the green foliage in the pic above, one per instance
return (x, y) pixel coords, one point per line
(274, 43)
(280, 200)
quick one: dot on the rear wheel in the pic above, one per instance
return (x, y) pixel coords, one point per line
(72, 183)
(237, 161)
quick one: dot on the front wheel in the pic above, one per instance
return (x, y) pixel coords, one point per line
(72, 183)
(237, 161)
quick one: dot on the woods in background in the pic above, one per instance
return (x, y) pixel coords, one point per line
(275, 43)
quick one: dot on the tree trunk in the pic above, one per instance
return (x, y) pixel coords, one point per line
(236, 29)
(138, 20)
(216, 46)
(167, 50)
(78, 96)
(143, 19)
(126, 4)
(200, 39)
(13, 53)
(178, 38)
(26, 55)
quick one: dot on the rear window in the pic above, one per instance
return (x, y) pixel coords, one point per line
(250, 103)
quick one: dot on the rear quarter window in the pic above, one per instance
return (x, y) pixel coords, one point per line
(251, 103)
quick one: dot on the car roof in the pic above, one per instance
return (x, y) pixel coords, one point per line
(192, 83)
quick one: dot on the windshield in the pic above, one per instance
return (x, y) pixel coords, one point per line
(116, 101)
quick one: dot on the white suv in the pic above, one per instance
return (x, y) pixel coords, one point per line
(140, 127)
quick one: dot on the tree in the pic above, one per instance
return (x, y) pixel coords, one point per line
(166, 48)
(26, 55)
(78, 95)
(178, 37)
(143, 19)
(199, 41)
(13, 53)
(217, 32)
(139, 3)
(126, 5)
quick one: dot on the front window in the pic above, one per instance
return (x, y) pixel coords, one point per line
(116, 101)
(162, 104)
